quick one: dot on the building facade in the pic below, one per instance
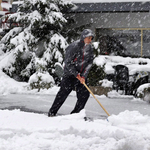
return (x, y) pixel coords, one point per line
(120, 25)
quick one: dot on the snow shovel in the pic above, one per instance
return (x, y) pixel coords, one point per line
(96, 98)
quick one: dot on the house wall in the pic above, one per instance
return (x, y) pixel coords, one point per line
(122, 21)
(113, 20)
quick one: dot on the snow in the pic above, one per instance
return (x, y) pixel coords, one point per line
(133, 64)
(45, 77)
(128, 130)
(17, 2)
(23, 130)
(6, 5)
(106, 83)
(144, 86)
(3, 12)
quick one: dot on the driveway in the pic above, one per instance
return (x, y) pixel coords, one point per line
(41, 104)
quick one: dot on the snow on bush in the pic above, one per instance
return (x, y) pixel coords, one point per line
(41, 80)
(143, 92)
(106, 83)
(133, 64)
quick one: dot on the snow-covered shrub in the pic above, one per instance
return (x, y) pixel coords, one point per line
(41, 81)
(143, 92)
(41, 78)
(96, 74)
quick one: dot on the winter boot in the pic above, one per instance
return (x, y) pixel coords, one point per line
(51, 114)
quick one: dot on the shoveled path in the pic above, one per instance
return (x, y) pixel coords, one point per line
(41, 104)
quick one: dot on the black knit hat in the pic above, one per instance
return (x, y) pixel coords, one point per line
(86, 33)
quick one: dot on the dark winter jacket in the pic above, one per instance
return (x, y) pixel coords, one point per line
(79, 57)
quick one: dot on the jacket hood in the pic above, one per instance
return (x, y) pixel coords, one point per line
(86, 33)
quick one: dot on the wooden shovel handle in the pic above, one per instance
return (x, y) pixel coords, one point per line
(96, 98)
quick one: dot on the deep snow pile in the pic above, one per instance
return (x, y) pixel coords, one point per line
(24, 131)
(9, 85)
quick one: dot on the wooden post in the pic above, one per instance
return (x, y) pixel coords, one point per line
(141, 42)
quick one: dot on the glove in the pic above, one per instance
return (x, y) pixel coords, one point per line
(81, 79)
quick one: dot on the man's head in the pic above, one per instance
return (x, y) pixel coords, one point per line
(87, 36)
(88, 40)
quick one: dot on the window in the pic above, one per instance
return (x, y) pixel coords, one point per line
(130, 41)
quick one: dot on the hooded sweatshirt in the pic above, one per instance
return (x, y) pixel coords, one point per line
(79, 57)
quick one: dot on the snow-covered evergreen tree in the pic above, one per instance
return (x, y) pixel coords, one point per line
(38, 36)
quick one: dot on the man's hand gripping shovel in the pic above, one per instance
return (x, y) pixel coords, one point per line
(82, 80)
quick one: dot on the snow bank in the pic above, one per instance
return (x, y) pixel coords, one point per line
(24, 131)
(8, 85)
(119, 94)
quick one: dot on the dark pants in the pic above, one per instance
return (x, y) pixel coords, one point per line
(69, 83)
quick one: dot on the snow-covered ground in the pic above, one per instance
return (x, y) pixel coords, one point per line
(127, 127)
(127, 130)
(24, 131)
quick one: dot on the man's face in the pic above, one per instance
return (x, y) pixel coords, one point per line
(88, 40)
